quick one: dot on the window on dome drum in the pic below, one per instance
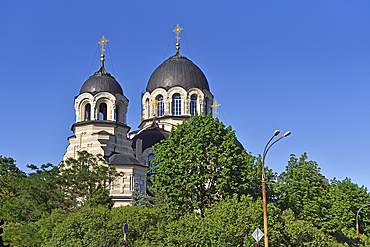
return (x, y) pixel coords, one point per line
(150, 163)
(116, 114)
(160, 106)
(193, 105)
(176, 104)
(206, 106)
(147, 108)
(87, 111)
(103, 111)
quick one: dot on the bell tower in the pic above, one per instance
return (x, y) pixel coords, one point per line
(101, 128)
(176, 91)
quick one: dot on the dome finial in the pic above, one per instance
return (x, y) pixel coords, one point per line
(102, 42)
(177, 30)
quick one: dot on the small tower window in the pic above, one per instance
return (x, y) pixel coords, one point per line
(147, 105)
(176, 105)
(206, 107)
(160, 106)
(103, 111)
(117, 114)
(87, 112)
(193, 105)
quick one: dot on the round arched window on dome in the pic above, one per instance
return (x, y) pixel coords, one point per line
(103, 111)
(176, 105)
(160, 106)
(118, 114)
(206, 106)
(147, 108)
(193, 105)
(87, 112)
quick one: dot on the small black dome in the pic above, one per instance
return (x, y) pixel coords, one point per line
(150, 136)
(101, 81)
(177, 71)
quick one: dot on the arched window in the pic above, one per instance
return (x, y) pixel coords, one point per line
(176, 105)
(147, 105)
(160, 106)
(103, 111)
(87, 112)
(193, 105)
(206, 107)
(117, 116)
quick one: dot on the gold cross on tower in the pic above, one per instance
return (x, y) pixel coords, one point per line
(215, 106)
(177, 30)
(102, 42)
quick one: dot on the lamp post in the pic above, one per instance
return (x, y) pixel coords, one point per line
(357, 229)
(267, 148)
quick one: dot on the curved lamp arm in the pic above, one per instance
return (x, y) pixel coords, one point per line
(268, 148)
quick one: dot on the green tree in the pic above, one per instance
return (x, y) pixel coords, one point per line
(302, 187)
(308, 194)
(231, 222)
(9, 172)
(35, 195)
(253, 178)
(82, 182)
(200, 163)
(87, 179)
(99, 226)
(8, 166)
(6, 186)
(356, 196)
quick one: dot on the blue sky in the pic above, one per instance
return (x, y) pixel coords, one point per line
(302, 66)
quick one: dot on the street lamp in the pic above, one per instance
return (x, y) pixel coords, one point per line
(267, 148)
(357, 229)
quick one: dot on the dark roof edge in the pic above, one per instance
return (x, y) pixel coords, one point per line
(100, 122)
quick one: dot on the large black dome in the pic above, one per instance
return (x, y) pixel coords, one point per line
(177, 71)
(101, 81)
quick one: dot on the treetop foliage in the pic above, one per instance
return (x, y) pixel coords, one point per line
(200, 163)
(75, 183)
(87, 179)
(8, 166)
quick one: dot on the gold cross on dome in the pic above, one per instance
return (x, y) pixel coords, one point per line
(177, 30)
(141, 117)
(103, 42)
(215, 106)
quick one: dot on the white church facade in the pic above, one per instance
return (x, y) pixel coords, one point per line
(176, 90)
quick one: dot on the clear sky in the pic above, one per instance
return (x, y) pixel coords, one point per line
(302, 66)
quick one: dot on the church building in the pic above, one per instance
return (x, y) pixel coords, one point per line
(176, 90)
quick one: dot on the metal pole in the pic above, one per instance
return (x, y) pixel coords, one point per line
(357, 228)
(264, 210)
(267, 148)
